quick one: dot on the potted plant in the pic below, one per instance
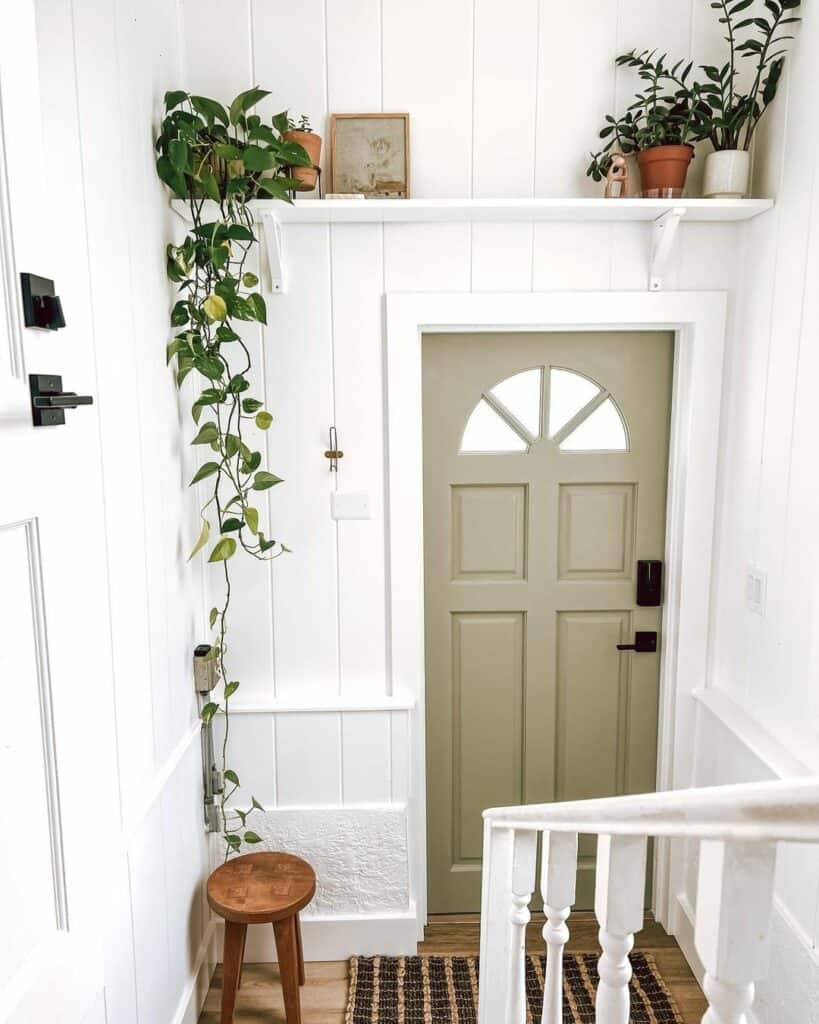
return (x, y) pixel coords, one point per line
(733, 114)
(303, 135)
(660, 126)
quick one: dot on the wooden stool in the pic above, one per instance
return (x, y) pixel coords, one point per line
(262, 888)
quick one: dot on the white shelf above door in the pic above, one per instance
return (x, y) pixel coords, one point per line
(665, 216)
(431, 211)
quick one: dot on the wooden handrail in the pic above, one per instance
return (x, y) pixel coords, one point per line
(779, 811)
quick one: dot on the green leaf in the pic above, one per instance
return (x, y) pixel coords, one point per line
(259, 308)
(171, 349)
(174, 98)
(234, 842)
(252, 519)
(203, 539)
(255, 804)
(227, 151)
(207, 470)
(231, 524)
(223, 550)
(257, 159)
(251, 464)
(251, 837)
(178, 154)
(209, 109)
(173, 178)
(238, 384)
(210, 186)
(231, 688)
(208, 711)
(263, 480)
(180, 314)
(263, 420)
(212, 617)
(244, 101)
(215, 307)
(266, 545)
(250, 405)
(225, 333)
(278, 188)
(231, 776)
(240, 233)
(208, 433)
(249, 280)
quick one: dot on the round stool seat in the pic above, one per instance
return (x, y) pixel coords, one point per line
(260, 888)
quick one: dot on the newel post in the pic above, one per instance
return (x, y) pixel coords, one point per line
(732, 933)
(508, 882)
(619, 900)
(558, 874)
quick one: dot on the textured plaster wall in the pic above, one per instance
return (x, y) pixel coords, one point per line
(359, 854)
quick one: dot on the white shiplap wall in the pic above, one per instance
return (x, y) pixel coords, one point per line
(761, 717)
(505, 98)
(104, 67)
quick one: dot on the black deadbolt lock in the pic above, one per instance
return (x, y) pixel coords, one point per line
(41, 307)
(649, 583)
(49, 401)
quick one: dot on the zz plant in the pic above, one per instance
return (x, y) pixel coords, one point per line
(217, 159)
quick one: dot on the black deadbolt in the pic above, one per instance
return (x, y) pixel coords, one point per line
(41, 307)
(649, 583)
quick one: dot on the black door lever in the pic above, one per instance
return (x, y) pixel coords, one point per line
(49, 401)
(644, 643)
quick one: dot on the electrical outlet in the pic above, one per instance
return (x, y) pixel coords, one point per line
(349, 506)
(756, 587)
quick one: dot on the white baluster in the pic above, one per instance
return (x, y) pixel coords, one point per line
(732, 934)
(524, 859)
(619, 899)
(508, 881)
(558, 872)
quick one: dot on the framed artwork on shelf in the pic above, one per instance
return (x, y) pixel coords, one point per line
(370, 155)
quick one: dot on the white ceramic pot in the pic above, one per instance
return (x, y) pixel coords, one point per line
(726, 174)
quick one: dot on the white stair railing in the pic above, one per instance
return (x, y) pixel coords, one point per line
(738, 827)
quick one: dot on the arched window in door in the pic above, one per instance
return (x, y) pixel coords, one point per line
(582, 416)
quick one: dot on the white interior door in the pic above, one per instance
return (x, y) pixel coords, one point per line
(57, 768)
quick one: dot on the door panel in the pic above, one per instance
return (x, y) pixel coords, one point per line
(545, 461)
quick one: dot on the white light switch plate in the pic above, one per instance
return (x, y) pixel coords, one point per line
(350, 506)
(756, 586)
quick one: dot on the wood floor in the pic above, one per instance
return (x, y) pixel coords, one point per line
(324, 997)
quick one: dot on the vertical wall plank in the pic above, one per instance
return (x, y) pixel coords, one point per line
(290, 57)
(357, 275)
(308, 754)
(149, 906)
(506, 60)
(366, 752)
(565, 259)
(298, 354)
(575, 90)
(427, 257)
(218, 49)
(428, 71)
(354, 56)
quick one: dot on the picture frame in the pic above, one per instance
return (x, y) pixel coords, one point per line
(370, 155)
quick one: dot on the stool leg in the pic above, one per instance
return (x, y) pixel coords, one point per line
(232, 967)
(300, 949)
(287, 947)
(242, 958)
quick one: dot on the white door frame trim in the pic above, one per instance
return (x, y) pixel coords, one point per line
(698, 321)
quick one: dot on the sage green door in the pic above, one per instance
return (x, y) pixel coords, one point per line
(545, 465)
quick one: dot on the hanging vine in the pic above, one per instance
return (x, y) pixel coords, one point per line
(217, 159)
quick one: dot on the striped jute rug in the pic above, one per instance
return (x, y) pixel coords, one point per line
(444, 990)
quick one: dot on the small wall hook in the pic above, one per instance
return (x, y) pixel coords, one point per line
(333, 453)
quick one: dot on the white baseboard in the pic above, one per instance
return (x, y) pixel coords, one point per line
(336, 937)
(193, 996)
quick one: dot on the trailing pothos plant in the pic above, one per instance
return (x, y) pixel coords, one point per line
(217, 159)
(668, 111)
(762, 39)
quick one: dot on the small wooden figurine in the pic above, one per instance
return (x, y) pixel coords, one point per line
(617, 178)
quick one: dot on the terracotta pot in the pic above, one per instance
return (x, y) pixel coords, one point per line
(727, 174)
(307, 176)
(664, 167)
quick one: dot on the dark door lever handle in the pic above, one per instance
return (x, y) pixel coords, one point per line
(65, 400)
(49, 401)
(644, 643)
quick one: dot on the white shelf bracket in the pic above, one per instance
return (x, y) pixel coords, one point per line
(272, 228)
(663, 233)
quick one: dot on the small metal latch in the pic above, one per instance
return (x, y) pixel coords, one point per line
(333, 454)
(205, 678)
